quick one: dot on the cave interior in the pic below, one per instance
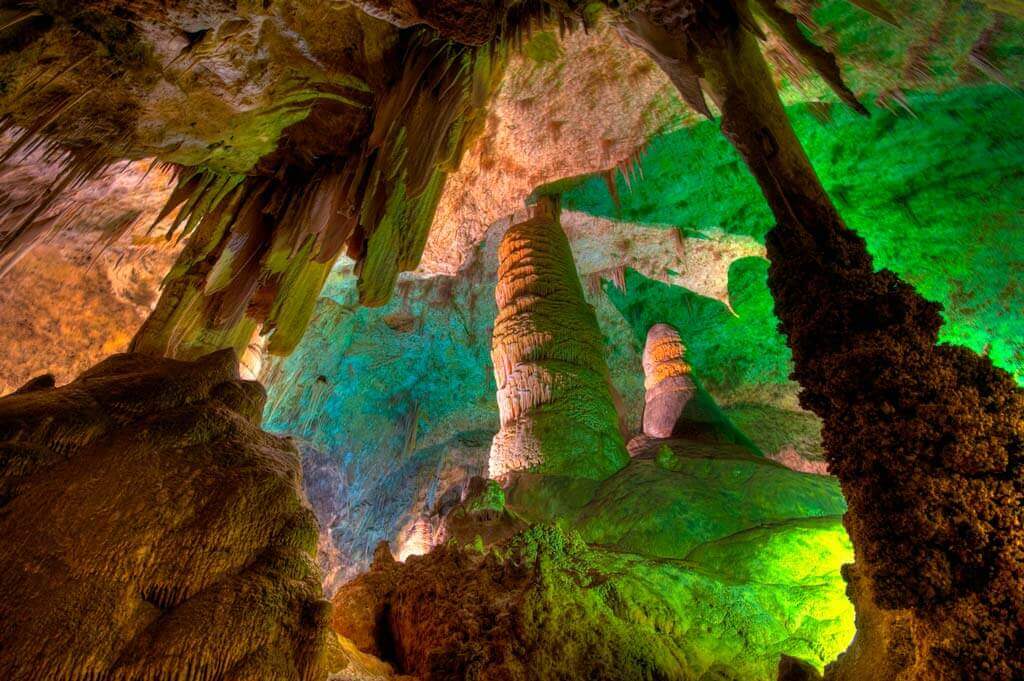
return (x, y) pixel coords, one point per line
(505, 340)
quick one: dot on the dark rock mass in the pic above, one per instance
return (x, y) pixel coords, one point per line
(150, 527)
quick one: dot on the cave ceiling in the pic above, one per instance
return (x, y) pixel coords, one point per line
(253, 87)
(421, 123)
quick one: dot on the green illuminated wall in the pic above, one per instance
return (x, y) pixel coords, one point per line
(936, 195)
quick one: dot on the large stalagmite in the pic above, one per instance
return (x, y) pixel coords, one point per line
(152, 530)
(554, 393)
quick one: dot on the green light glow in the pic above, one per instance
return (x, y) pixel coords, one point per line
(936, 196)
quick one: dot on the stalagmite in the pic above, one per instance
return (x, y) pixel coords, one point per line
(669, 386)
(152, 530)
(675, 403)
(927, 440)
(554, 397)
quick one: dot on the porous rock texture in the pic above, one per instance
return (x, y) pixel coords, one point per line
(928, 442)
(554, 391)
(153, 531)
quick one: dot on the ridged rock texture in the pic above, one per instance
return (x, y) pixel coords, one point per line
(153, 531)
(557, 411)
(667, 381)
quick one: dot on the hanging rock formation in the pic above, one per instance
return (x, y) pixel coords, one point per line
(261, 247)
(669, 386)
(554, 393)
(152, 530)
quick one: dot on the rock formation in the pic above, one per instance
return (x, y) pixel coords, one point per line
(152, 530)
(929, 447)
(669, 386)
(542, 605)
(554, 393)
(927, 440)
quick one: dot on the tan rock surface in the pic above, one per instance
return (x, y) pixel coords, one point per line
(152, 530)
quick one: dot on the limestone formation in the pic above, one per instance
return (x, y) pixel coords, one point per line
(544, 605)
(554, 397)
(151, 530)
(669, 386)
(927, 440)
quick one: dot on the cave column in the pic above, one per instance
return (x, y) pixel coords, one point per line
(554, 393)
(926, 439)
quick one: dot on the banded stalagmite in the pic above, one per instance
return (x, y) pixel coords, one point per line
(668, 384)
(554, 394)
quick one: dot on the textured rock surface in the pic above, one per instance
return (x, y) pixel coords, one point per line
(425, 389)
(571, 105)
(544, 605)
(555, 397)
(79, 296)
(151, 529)
(675, 495)
(927, 440)
(883, 647)
(945, 544)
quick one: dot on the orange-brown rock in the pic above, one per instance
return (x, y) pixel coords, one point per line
(554, 393)
(669, 386)
(153, 531)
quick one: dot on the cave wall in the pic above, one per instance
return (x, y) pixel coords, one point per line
(79, 296)
(934, 195)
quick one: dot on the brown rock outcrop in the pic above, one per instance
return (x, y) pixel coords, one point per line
(152, 530)
(883, 647)
(554, 393)
(535, 609)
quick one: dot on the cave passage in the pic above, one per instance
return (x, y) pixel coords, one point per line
(511, 340)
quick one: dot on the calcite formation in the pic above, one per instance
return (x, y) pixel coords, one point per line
(554, 393)
(669, 386)
(926, 439)
(152, 530)
(542, 605)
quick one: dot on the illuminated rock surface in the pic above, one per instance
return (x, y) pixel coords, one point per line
(669, 386)
(150, 526)
(545, 605)
(554, 393)
(315, 144)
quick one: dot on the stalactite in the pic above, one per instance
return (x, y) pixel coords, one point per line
(926, 440)
(554, 398)
(260, 248)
